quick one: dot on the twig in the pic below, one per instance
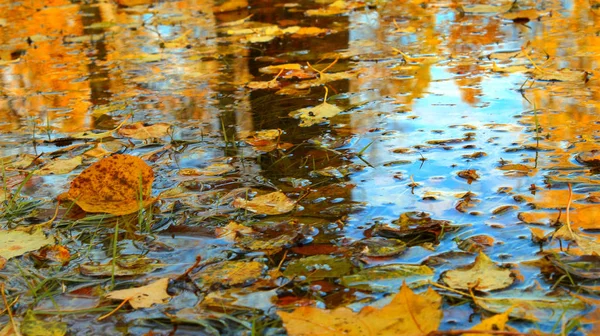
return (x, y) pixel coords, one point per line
(114, 310)
(10, 314)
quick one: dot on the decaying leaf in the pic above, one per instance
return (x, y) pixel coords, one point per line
(274, 203)
(562, 75)
(123, 266)
(407, 314)
(533, 307)
(60, 166)
(14, 243)
(482, 275)
(229, 273)
(232, 230)
(140, 131)
(145, 296)
(113, 185)
(372, 276)
(32, 326)
(212, 170)
(319, 267)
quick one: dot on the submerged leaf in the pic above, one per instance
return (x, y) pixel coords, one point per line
(60, 166)
(482, 275)
(407, 314)
(319, 267)
(274, 203)
(145, 296)
(32, 326)
(229, 273)
(113, 185)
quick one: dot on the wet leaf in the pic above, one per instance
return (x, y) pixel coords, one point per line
(369, 276)
(407, 314)
(470, 175)
(212, 170)
(232, 230)
(486, 9)
(274, 203)
(585, 267)
(533, 307)
(494, 323)
(319, 267)
(113, 185)
(313, 115)
(562, 75)
(380, 247)
(124, 266)
(140, 131)
(335, 8)
(32, 326)
(55, 253)
(229, 273)
(145, 296)
(60, 166)
(482, 275)
(265, 243)
(14, 243)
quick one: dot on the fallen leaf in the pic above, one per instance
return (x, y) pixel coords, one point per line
(319, 267)
(336, 8)
(485, 9)
(2, 262)
(145, 296)
(482, 275)
(407, 314)
(212, 170)
(16, 242)
(313, 115)
(140, 131)
(232, 230)
(562, 75)
(274, 203)
(113, 185)
(275, 69)
(123, 266)
(533, 307)
(370, 277)
(32, 326)
(494, 323)
(229, 273)
(60, 166)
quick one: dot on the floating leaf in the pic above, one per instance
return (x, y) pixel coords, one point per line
(407, 314)
(140, 131)
(274, 203)
(212, 170)
(60, 166)
(229, 273)
(485, 9)
(482, 275)
(313, 115)
(32, 326)
(232, 230)
(562, 75)
(319, 267)
(113, 185)
(16, 242)
(145, 296)
(494, 323)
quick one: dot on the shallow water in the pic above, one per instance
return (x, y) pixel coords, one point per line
(68, 67)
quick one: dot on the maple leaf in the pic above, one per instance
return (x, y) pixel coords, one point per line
(482, 275)
(113, 185)
(407, 314)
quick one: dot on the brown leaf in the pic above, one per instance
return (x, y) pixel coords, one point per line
(274, 203)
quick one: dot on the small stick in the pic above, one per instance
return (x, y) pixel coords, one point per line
(114, 310)
(10, 315)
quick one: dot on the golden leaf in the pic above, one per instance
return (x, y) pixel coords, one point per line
(113, 185)
(15, 243)
(407, 314)
(482, 275)
(140, 132)
(274, 203)
(145, 296)
(60, 166)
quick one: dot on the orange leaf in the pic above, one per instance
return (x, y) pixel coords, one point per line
(113, 185)
(407, 314)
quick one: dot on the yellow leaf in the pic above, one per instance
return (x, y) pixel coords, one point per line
(60, 166)
(231, 231)
(15, 243)
(140, 132)
(482, 275)
(145, 296)
(274, 203)
(314, 115)
(113, 185)
(229, 273)
(494, 323)
(407, 314)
